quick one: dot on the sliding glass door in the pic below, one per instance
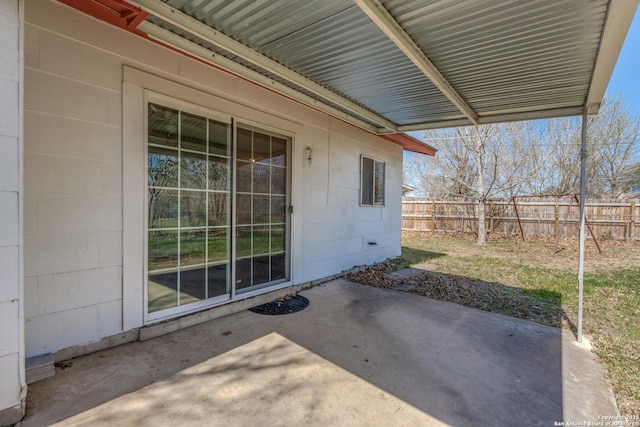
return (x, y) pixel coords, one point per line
(261, 200)
(196, 215)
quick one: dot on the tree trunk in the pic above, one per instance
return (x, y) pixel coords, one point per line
(480, 165)
(482, 233)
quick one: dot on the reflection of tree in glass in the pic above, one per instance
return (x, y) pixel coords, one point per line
(162, 167)
(378, 182)
(163, 208)
(218, 174)
(194, 171)
(192, 208)
(218, 208)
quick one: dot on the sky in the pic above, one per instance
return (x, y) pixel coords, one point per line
(625, 78)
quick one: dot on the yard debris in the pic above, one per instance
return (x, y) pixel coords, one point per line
(466, 291)
(64, 364)
(374, 275)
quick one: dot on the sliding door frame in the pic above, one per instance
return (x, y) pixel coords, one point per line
(210, 95)
(232, 294)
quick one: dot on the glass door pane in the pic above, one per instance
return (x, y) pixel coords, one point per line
(261, 202)
(189, 209)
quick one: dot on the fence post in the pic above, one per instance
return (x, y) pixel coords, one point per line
(433, 215)
(632, 222)
(627, 224)
(491, 217)
(556, 218)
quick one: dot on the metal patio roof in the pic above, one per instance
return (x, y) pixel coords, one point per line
(391, 66)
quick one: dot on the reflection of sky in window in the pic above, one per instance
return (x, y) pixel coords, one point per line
(163, 167)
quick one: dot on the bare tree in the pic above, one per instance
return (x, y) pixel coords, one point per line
(561, 175)
(540, 157)
(631, 178)
(480, 162)
(447, 174)
(614, 134)
(613, 139)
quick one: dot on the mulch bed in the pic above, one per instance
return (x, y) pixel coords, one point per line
(466, 291)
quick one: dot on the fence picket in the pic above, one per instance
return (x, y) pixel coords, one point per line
(609, 219)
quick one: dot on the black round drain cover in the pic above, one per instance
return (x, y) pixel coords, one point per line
(285, 305)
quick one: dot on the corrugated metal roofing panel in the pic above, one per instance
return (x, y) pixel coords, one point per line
(509, 55)
(252, 21)
(199, 41)
(332, 43)
(500, 56)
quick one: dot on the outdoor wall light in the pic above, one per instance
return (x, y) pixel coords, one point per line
(309, 153)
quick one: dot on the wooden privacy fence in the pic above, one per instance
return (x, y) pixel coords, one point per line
(550, 216)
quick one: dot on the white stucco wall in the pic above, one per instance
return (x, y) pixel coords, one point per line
(11, 277)
(74, 174)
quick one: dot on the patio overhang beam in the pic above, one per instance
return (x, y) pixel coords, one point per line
(498, 118)
(204, 32)
(619, 16)
(410, 143)
(114, 12)
(394, 31)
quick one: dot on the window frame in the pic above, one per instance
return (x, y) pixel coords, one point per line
(153, 97)
(371, 186)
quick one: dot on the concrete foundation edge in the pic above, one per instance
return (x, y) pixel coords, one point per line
(13, 415)
(158, 329)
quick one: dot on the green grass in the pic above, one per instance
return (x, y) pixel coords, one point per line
(611, 296)
(411, 256)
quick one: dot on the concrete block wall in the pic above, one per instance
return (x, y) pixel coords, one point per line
(74, 174)
(12, 378)
(336, 229)
(73, 186)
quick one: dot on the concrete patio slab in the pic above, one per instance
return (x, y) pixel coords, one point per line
(410, 272)
(357, 356)
(403, 287)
